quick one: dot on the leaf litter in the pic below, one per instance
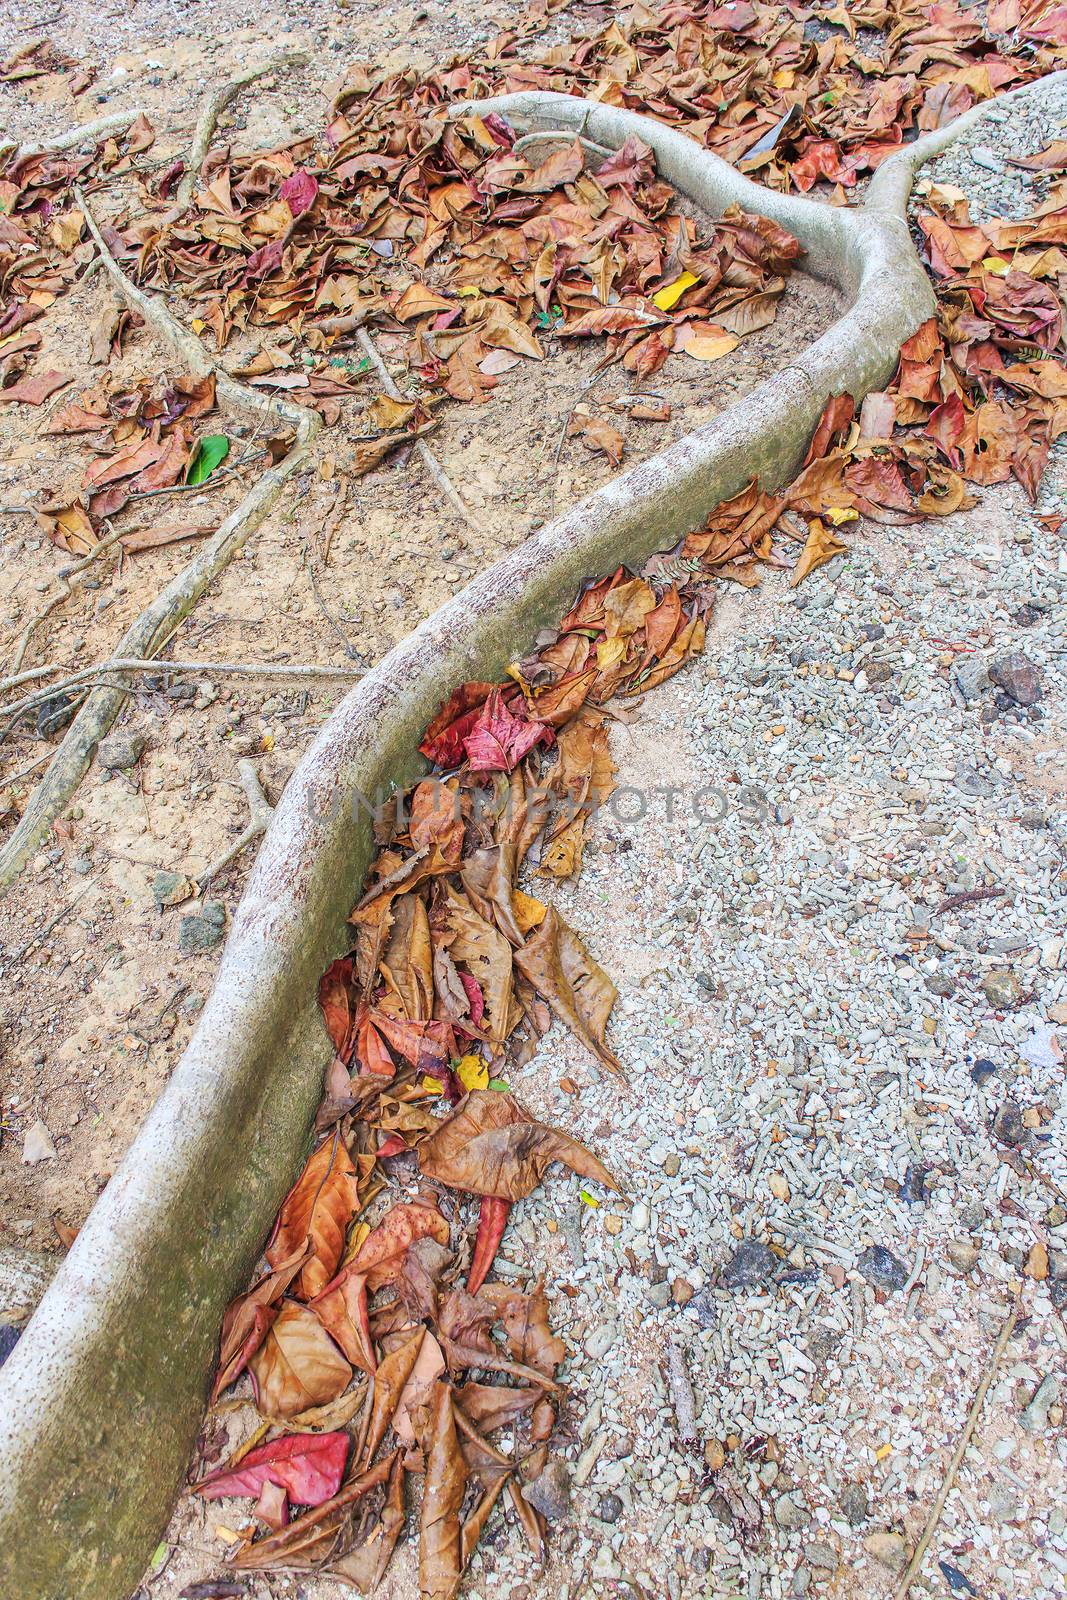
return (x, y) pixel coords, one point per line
(378, 1346)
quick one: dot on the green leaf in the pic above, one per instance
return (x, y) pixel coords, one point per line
(209, 454)
(159, 1556)
(499, 1083)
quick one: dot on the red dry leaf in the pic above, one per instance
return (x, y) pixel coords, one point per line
(34, 391)
(498, 739)
(443, 741)
(316, 1213)
(263, 261)
(336, 1000)
(492, 1220)
(299, 191)
(248, 1321)
(308, 1466)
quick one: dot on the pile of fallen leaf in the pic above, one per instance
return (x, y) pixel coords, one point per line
(454, 973)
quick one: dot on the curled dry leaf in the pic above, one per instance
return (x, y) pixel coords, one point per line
(491, 1146)
(392, 1375)
(248, 1318)
(559, 966)
(316, 1214)
(440, 1537)
(297, 1365)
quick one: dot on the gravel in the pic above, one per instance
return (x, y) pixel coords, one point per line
(851, 1050)
(980, 164)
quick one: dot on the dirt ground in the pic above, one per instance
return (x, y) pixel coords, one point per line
(98, 1001)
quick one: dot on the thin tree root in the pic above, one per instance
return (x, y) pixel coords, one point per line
(214, 105)
(160, 620)
(260, 812)
(425, 454)
(217, 669)
(117, 122)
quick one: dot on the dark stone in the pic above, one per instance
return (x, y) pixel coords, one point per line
(823, 1343)
(942, 984)
(913, 1189)
(609, 1508)
(54, 714)
(705, 1309)
(872, 631)
(9, 1338)
(957, 1581)
(197, 934)
(751, 1266)
(982, 1070)
(882, 1268)
(854, 1504)
(1008, 1124)
(1057, 1292)
(1018, 677)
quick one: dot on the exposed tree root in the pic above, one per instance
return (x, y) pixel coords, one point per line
(157, 624)
(211, 110)
(117, 122)
(260, 812)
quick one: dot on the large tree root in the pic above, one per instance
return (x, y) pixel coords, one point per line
(159, 621)
(102, 1397)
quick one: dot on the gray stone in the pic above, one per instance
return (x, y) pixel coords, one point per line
(38, 1145)
(972, 677)
(790, 1512)
(550, 1491)
(752, 1265)
(170, 888)
(197, 934)
(1003, 1504)
(1018, 677)
(820, 1554)
(1035, 1417)
(659, 1294)
(854, 1504)
(121, 750)
(882, 1268)
(215, 912)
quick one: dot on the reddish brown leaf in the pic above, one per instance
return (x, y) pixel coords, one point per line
(492, 1220)
(308, 1466)
(297, 1365)
(316, 1212)
(491, 1146)
(440, 1541)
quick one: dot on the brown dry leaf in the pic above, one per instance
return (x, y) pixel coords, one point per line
(390, 1379)
(365, 1566)
(492, 1405)
(486, 953)
(72, 530)
(579, 991)
(305, 1543)
(297, 1365)
(598, 434)
(440, 1539)
(490, 1145)
(822, 546)
(706, 341)
(417, 1392)
(525, 1319)
(407, 963)
(247, 1320)
(342, 1310)
(316, 1212)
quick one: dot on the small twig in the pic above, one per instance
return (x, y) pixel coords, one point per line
(60, 916)
(17, 511)
(968, 897)
(342, 638)
(260, 812)
(214, 105)
(957, 1455)
(682, 1397)
(425, 454)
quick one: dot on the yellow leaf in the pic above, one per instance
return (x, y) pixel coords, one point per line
(609, 652)
(820, 548)
(671, 293)
(997, 265)
(355, 1241)
(784, 78)
(882, 1451)
(840, 514)
(709, 344)
(529, 913)
(472, 1072)
(198, 324)
(470, 291)
(588, 1200)
(267, 742)
(432, 1085)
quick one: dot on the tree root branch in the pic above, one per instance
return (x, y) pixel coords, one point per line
(117, 122)
(157, 624)
(260, 812)
(214, 105)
